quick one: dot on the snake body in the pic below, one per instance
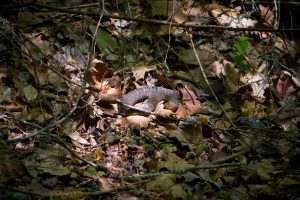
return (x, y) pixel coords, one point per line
(153, 95)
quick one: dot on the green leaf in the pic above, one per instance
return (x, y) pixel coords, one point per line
(242, 44)
(3, 142)
(244, 38)
(166, 145)
(32, 171)
(245, 67)
(237, 58)
(240, 61)
(57, 171)
(104, 40)
(101, 173)
(91, 169)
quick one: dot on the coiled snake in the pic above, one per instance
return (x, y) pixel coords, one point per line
(153, 95)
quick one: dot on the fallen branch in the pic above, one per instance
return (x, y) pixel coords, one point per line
(138, 177)
(160, 22)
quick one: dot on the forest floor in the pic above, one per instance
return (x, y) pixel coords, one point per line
(152, 100)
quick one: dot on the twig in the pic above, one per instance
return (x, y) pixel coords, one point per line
(70, 150)
(232, 156)
(207, 82)
(165, 23)
(159, 116)
(70, 194)
(147, 112)
(138, 177)
(55, 122)
(59, 120)
(57, 140)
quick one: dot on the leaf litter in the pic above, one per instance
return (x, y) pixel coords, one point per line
(250, 121)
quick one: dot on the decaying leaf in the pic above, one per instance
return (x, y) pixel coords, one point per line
(110, 90)
(138, 122)
(98, 70)
(230, 17)
(188, 57)
(42, 69)
(267, 15)
(105, 41)
(30, 93)
(140, 71)
(162, 111)
(171, 161)
(232, 80)
(57, 171)
(76, 137)
(283, 87)
(191, 104)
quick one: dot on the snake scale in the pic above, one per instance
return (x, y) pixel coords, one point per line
(153, 95)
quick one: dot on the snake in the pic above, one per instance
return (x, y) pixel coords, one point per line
(153, 95)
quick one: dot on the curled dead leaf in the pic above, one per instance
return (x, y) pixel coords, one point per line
(283, 86)
(191, 104)
(138, 122)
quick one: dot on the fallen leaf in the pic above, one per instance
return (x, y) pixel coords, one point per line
(27, 18)
(188, 56)
(232, 79)
(171, 161)
(140, 71)
(191, 104)
(98, 154)
(97, 71)
(57, 171)
(110, 90)
(218, 69)
(162, 111)
(76, 137)
(283, 86)
(267, 15)
(105, 40)
(138, 122)
(248, 108)
(30, 93)
(230, 17)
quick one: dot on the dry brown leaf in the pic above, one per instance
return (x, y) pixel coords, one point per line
(248, 108)
(287, 47)
(97, 71)
(192, 132)
(288, 113)
(140, 71)
(283, 86)
(191, 103)
(39, 73)
(267, 15)
(218, 69)
(98, 154)
(171, 161)
(230, 17)
(76, 137)
(258, 83)
(138, 122)
(162, 111)
(110, 89)
(110, 94)
(187, 56)
(232, 79)
(99, 109)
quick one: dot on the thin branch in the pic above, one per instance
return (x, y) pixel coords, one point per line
(70, 194)
(57, 140)
(232, 156)
(207, 82)
(160, 22)
(138, 177)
